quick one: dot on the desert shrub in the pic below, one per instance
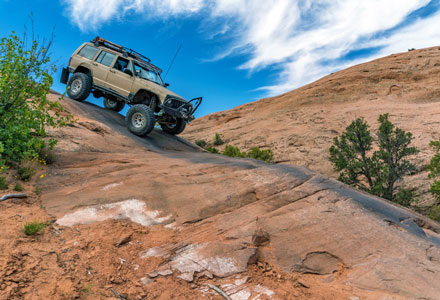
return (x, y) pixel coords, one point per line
(201, 143)
(38, 190)
(233, 151)
(46, 155)
(26, 170)
(3, 183)
(25, 111)
(375, 172)
(264, 155)
(434, 213)
(218, 140)
(434, 169)
(33, 228)
(404, 197)
(18, 187)
(213, 150)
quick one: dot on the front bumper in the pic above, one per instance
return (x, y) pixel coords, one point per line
(180, 108)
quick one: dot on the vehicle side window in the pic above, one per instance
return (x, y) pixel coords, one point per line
(105, 58)
(88, 51)
(122, 63)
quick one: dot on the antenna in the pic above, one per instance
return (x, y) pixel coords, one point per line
(171, 64)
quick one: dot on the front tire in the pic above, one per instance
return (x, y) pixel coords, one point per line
(140, 119)
(79, 86)
(113, 104)
(176, 128)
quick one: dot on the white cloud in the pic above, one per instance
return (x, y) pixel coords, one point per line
(305, 39)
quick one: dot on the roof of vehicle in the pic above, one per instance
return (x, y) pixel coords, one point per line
(127, 52)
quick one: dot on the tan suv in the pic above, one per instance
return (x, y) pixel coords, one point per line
(124, 76)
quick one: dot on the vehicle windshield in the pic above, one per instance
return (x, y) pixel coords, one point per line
(147, 74)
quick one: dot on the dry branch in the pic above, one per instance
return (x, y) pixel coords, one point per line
(9, 196)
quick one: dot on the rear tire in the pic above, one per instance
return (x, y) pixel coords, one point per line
(140, 119)
(177, 128)
(113, 104)
(79, 86)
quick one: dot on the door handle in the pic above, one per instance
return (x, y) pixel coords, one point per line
(113, 71)
(95, 64)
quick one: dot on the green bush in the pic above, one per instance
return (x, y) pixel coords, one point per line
(264, 155)
(375, 172)
(26, 170)
(233, 151)
(25, 111)
(33, 228)
(3, 183)
(213, 150)
(435, 213)
(18, 187)
(404, 197)
(38, 190)
(218, 140)
(46, 155)
(434, 169)
(201, 143)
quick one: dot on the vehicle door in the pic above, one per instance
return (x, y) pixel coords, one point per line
(101, 67)
(120, 78)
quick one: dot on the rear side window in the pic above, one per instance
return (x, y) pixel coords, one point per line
(88, 51)
(105, 58)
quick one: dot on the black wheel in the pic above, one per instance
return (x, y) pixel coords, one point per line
(113, 104)
(140, 119)
(79, 86)
(177, 127)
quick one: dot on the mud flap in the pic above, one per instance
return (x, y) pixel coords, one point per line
(64, 76)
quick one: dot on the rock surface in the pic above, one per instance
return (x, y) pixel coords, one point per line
(254, 230)
(299, 126)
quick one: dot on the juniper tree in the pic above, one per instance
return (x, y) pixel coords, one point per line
(377, 171)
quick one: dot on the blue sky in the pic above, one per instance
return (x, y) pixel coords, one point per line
(235, 51)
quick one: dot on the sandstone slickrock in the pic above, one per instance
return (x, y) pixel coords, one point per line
(309, 222)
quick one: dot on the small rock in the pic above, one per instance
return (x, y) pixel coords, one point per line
(153, 274)
(189, 277)
(207, 274)
(145, 280)
(303, 283)
(165, 272)
(123, 241)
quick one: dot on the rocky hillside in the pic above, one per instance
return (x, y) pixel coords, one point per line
(299, 126)
(154, 218)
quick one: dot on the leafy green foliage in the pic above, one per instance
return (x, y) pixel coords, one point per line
(26, 170)
(376, 172)
(3, 183)
(25, 110)
(33, 228)
(264, 155)
(38, 190)
(435, 213)
(201, 143)
(404, 197)
(233, 151)
(434, 169)
(18, 187)
(218, 140)
(213, 150)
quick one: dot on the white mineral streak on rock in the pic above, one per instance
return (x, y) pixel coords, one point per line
(130, 209)
(244, 294)
(111, 185)
(261, 290)
(190, 260)
(155, 252)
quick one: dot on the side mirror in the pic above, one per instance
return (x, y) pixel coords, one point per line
(128, 71)
(166, 84)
